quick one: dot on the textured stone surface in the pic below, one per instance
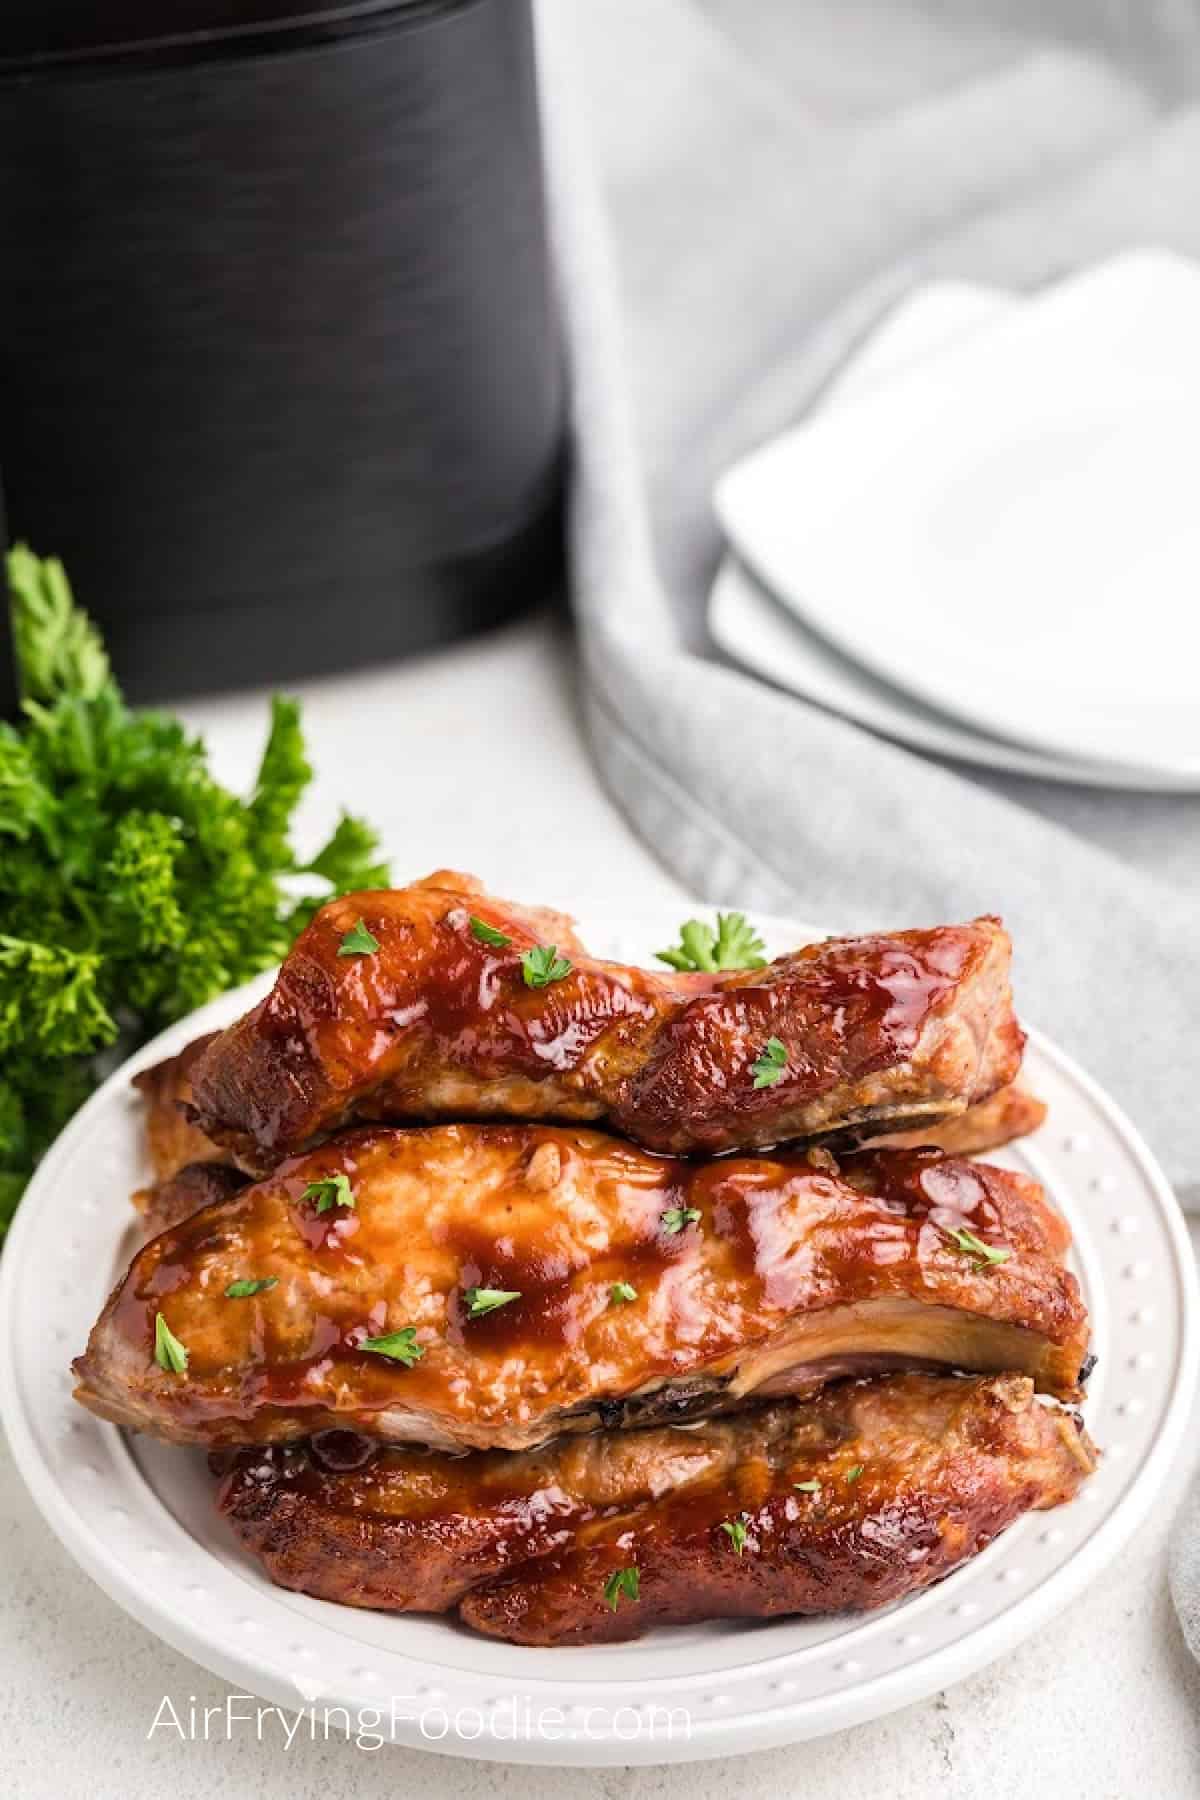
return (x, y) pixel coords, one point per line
(474, 759)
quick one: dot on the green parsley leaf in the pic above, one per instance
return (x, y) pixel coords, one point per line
(142, 868)
(854, 1473)
(58, 649)
(621, 1581)
(771, 1064)
(676, 1218)
(486, 1300)
(542, 965)
(346, 862)
(134, 886)
(401, 1346)
(733, 945)
(242, 1290)
(284, 772)
(986, 1256)
(807, 1487)
(169, 1353)
(11, 1189)
(63, 989)
(358, 941)
(736, 1529)
(332, 1190)
(483, 933)
(621, 1292)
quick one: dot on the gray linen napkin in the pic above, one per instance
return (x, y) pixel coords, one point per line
(742, 188)
(772, 176)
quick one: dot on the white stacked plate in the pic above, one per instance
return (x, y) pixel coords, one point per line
(985, 543)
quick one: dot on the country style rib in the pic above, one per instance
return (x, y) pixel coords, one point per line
(190, 1171)
(166, 1091)
(195, 1185)
(851, 1499)
(1011, 1112)
(745, 1276)
(882, 1032)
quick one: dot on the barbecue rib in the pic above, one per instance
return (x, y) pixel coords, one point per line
(750, 1275)
(166, 1089)
(199, 1184)
(190, 1174)
(880, 1032)
(914, 1474)
(1010, 1113)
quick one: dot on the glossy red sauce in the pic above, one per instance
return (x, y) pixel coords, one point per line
(435, 1019)
(468, 1000)
(461, 1207)
(774, 1234)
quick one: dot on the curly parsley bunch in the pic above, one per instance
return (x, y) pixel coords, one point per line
(133, 886)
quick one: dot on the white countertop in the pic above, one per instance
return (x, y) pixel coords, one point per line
(474, 760)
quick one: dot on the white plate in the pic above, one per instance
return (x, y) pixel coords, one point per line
(755, 629)
(750, 626)
(1008, 530)
(921, 324)
(138, 1516)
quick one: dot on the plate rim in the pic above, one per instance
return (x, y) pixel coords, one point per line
(889, 351)
(770, 570)
(736, 1731)
(737, 584)
(736, 503)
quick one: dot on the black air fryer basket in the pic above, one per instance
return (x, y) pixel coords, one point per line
(279, 371)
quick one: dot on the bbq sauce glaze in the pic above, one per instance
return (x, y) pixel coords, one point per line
(436, 1021)
(568, 1215)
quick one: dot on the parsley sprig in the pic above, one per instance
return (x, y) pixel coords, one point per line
(621, 1581)
(678, 1218)
(735, 1530)
(542, 965)
(483, 933)
(358, 941)
(169, 1353)
(135, 886)
(242, 1290)
(485, 1300)
(330, 1191)
(984, 1256)
(733, 945)
(400, 1346)
(771, 1065)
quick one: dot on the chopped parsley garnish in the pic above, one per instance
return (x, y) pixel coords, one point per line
(854, 1473)
(985, 1256)
(736, 1531)
(542, 965)
(135, 886)
(401, 1346)
(733, 945)
(242, 1290)
(169, 1353)
(483, 933)
(807, 1487)
(677, 1217)
(771, 1063)
(486, 1300)
(621, 1581)
(333, 1190)
(358, 941)
(621, 1291)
